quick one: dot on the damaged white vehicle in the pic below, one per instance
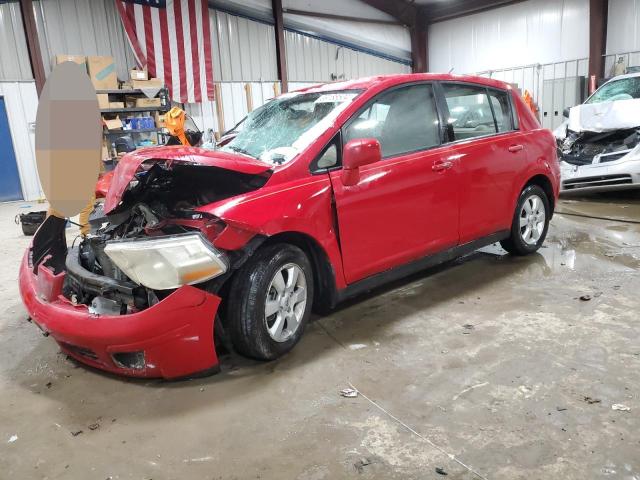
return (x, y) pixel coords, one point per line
(599, 144)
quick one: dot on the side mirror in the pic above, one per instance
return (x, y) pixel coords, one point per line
(565, 113)
(355, 154)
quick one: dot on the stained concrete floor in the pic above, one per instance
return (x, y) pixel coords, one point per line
(493, 359)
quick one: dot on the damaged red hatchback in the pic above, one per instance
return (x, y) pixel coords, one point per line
(325, 193)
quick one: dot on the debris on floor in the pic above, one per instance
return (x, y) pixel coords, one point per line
(349, 392)
(585, 298)
(12, 438)
(441, 471)
(467, 327)
(360, 464)
(591, 400)
(76, 433)
(94, 426)
(620, 407)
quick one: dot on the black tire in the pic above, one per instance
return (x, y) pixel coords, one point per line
(246, 320)
(516, 244)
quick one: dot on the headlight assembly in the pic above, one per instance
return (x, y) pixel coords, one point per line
(167, 262)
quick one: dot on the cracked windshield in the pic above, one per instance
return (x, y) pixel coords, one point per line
(279, 130)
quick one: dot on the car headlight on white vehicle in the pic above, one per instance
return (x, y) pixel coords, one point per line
(168, 262)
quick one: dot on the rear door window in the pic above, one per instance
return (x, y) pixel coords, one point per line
(475, 111)
(403, 120)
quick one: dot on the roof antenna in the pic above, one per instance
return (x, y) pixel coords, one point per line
(451, 69)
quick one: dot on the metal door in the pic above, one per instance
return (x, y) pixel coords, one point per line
(9, 177)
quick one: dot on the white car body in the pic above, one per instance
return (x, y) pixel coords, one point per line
(615, 170)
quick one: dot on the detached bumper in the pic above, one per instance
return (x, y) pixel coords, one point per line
(175, 335)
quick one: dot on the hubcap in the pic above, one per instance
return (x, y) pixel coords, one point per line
(286, 301)
(532, 220)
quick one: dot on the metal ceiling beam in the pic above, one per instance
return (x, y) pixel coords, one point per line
(33, 44)
(407, 13)
(281, 55)
(460, 8)
(402, 10)
(598, 13)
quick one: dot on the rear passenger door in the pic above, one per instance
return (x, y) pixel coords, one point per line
(490, 151)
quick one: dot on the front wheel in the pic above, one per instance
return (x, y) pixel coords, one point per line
(270, 302)
(530, 222)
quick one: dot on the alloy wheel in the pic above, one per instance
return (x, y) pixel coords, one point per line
(286, 302)
(532, 219)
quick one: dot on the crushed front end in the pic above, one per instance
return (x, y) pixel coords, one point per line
(599, 161)
(139, 295)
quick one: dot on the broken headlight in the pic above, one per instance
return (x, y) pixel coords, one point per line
(168, 262)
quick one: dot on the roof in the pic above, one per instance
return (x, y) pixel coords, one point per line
(390, 80)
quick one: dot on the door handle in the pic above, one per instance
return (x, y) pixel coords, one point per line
(515, 148)
(439, 165)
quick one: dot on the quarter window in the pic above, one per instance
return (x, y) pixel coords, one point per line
(403, 120)
(502, 110)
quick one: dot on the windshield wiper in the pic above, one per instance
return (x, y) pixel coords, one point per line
(241, 150)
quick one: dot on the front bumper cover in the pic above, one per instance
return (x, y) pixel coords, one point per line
(176, 334)
(621, 174)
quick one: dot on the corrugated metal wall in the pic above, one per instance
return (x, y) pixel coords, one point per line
(81, 27)
(21, 101)
(534, 31)
(14, 56)
(235, 103)
(243, 50)
(310, 59)
(623, 29)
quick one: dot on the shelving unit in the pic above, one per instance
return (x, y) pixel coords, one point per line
(136, 135)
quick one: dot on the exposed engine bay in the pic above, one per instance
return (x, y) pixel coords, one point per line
(155, 240)
(590, 147)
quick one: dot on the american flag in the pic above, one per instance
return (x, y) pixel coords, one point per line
(173, 39)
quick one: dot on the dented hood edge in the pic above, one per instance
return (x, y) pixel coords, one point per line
(605, 116)
(130, 163)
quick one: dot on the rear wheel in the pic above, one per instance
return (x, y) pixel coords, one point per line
(530, 222)
(269, 302)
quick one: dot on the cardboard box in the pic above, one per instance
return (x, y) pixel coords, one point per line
(151, 83)
(115, 124)
(79, 59)
(105, 153)
(116, 104)
(102, 71)
(130, 101)
(147, 102)
(103, 100)
(136, 74)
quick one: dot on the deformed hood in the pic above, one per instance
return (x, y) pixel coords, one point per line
(605, 116)
(129, 165)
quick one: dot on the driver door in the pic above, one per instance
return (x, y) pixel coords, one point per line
(405, 206)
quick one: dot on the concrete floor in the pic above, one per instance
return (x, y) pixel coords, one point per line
(493, 359)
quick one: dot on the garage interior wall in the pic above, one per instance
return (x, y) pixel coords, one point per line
(534, 31)
(245, 62)
(623, 33)
(80, 27)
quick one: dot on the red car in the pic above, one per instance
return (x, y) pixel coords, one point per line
(325, 193)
